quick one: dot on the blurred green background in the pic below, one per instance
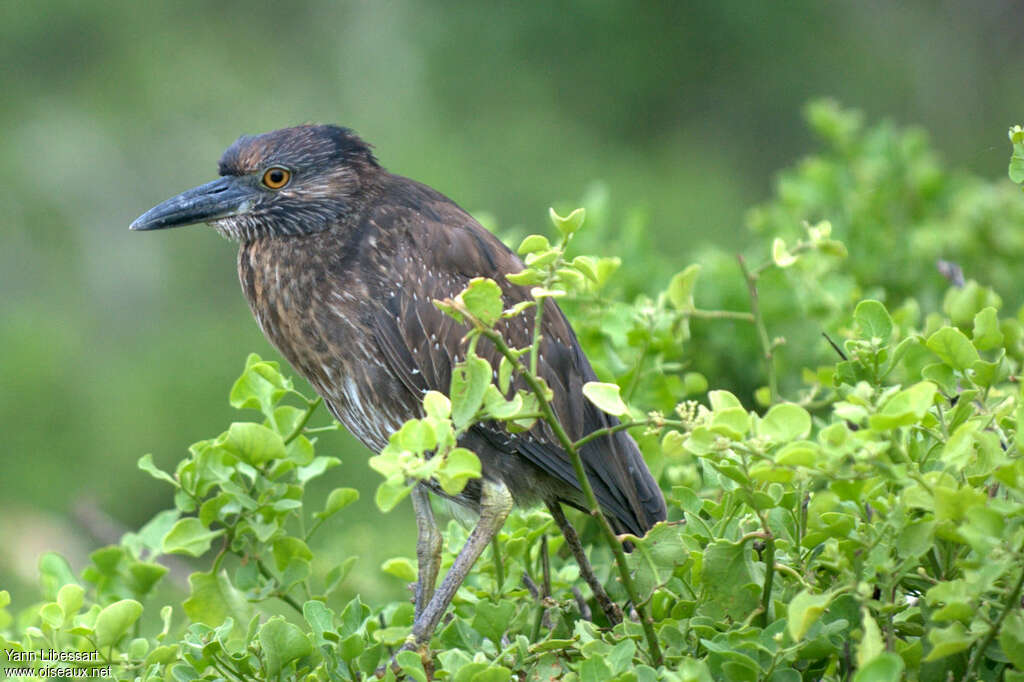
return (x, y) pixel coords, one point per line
(114, 344)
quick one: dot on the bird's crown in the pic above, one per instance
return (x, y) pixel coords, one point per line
(317, 146)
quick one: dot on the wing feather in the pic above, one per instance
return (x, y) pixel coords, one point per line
(436, 252)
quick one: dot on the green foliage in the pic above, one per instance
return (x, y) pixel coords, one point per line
(869, 527)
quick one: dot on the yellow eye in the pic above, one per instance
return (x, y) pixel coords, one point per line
(276, 177)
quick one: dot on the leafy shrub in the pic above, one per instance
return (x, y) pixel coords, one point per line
(871, 527)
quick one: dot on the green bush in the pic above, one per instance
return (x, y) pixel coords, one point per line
(868, 524)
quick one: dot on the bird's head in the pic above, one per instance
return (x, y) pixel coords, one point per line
(292, 181)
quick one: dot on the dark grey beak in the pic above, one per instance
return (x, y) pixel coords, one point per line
(218, 199)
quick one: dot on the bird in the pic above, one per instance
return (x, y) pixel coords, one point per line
(341, 262)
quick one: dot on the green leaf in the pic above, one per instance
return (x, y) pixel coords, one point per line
(1016, 169)
(942, 375)
(504, 374)
(948, 641)
(727, 575)
(390, 494)
(533, 243)
(482, 298)
(586, 265)
(655, 557)
(214, 599)
(416, 435)
(145, 463)
(260, 386)
(51, 614)
(497, 407)
(986, 329)
(287, 549)
(411, 665)
(873, 320)
(282, 643)
(961, 304)
(958, 451)
(886, 667)
(680, 288)
(732, 422)
(338, 500)
(1011, 638)
(526, 277)
(492, 620)
(163, 655)
(437, 405)
(541, 258)
(804, 610)
(114, 621)
(721, 400)
(620, 658)
(904, 408)
(953, 348)
(470, 379)
(593, 669)
(673, 444)
(189, 536)
(786, 422)
(570, 223)
(871, 645)
(401, 568)
(253, 443)
(459, 466)
(138, 648)
(803, 453)
(70, 598)
(953, 504)
(694, 383)
(916, 539)
(491, 673)
(606, 397)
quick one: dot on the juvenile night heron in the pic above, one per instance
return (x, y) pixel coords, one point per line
(340, 262)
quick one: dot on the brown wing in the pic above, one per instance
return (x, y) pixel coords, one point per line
(436, 249)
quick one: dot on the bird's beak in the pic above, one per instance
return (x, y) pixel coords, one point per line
(218, 199)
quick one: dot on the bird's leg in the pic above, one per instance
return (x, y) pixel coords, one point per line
(610, 608)
(428, 548)
(495, 505)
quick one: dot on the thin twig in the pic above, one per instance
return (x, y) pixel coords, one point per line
(310, 409)
(698, 314)
(762, 331)
(283, 596)
(610, 608)
(769, 571)
(836, 348)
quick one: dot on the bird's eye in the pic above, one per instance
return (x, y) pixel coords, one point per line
(276, 177)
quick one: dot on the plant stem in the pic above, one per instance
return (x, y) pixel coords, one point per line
(718, 315)
(310, 409)
(769, 571)
(762, 331)
(622, 426)
(538, 319)
(577, 462)
(283, 596)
